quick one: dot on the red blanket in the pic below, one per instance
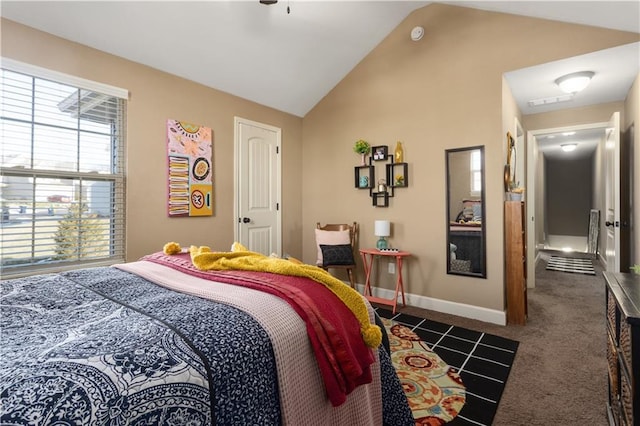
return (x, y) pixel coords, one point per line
(343, 357)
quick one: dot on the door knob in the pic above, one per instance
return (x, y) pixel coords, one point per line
(246, 220)
(607, 223)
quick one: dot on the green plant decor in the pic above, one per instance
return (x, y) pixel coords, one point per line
(362, 147)
(635, 269)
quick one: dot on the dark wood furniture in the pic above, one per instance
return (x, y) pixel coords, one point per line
(623, 347)
(515, 262)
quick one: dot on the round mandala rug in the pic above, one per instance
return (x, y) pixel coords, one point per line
(434, 390)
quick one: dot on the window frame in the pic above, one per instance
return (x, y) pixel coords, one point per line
(474, 173)
(116, 175)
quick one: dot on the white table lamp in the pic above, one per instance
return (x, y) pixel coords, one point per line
(382, 229)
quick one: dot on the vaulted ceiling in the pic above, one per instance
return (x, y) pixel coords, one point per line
(287, 60)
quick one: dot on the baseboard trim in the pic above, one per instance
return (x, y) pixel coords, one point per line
(603, 261)
(444, 306)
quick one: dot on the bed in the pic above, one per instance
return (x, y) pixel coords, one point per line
(159, 341)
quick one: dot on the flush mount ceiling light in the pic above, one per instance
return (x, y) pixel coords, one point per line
(575, 82)
(568, 147)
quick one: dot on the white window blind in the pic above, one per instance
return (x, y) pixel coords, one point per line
(61, 175)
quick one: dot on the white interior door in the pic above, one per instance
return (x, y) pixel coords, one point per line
(258, 186)
(612, 196)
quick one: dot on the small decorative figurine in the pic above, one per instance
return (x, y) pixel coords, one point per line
(382, 185)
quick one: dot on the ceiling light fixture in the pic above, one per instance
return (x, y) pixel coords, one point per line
(575, 82)
(568, 147)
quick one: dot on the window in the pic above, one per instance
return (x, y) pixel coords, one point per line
(476, 173)
(62, 171)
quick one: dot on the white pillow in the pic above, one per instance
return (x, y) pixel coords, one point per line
(331, 238)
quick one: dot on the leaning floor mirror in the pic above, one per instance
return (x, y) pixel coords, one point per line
(466, 237)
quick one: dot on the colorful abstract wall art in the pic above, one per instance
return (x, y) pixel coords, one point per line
(189, 148)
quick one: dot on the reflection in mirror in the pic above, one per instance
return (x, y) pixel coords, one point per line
(466, 237)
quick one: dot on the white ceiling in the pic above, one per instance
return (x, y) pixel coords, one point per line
(586, 140)
(291, 61)
(615, 71)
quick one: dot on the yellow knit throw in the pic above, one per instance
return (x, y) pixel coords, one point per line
(240, 258)
(172, 248)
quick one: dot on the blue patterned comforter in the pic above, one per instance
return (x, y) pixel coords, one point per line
(103, 346)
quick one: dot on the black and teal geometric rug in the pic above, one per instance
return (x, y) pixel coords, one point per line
(483, 362)
(571, 265)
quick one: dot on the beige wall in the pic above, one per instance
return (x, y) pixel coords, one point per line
(442, 92)
(632, 116)
(574, 116)
(155, 97)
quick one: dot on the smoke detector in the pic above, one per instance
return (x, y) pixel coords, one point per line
(417, 33)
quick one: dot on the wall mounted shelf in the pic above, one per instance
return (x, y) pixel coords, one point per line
(364, 176)
(396, 176)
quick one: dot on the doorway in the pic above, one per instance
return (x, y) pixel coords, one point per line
(560, 221)
(570, 177)
(257, 204)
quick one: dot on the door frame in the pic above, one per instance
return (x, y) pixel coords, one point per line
(536, 192)
(238, 180)
(613, 127)
(626, 197)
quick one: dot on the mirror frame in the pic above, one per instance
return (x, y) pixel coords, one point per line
(483, 232)
(509, 169)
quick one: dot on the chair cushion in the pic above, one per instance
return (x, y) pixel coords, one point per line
(338, 254)
(330, 238)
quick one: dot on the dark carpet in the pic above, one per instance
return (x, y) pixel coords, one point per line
(561, 364)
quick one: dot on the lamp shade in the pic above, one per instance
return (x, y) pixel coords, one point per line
(382, 228)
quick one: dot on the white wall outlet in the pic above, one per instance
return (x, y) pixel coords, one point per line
(392, 268)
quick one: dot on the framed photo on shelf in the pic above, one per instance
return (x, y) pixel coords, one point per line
(379, 152)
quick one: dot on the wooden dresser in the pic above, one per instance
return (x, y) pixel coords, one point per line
(515, 262)
(623, 347)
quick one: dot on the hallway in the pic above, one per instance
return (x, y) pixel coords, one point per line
(566, 243)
